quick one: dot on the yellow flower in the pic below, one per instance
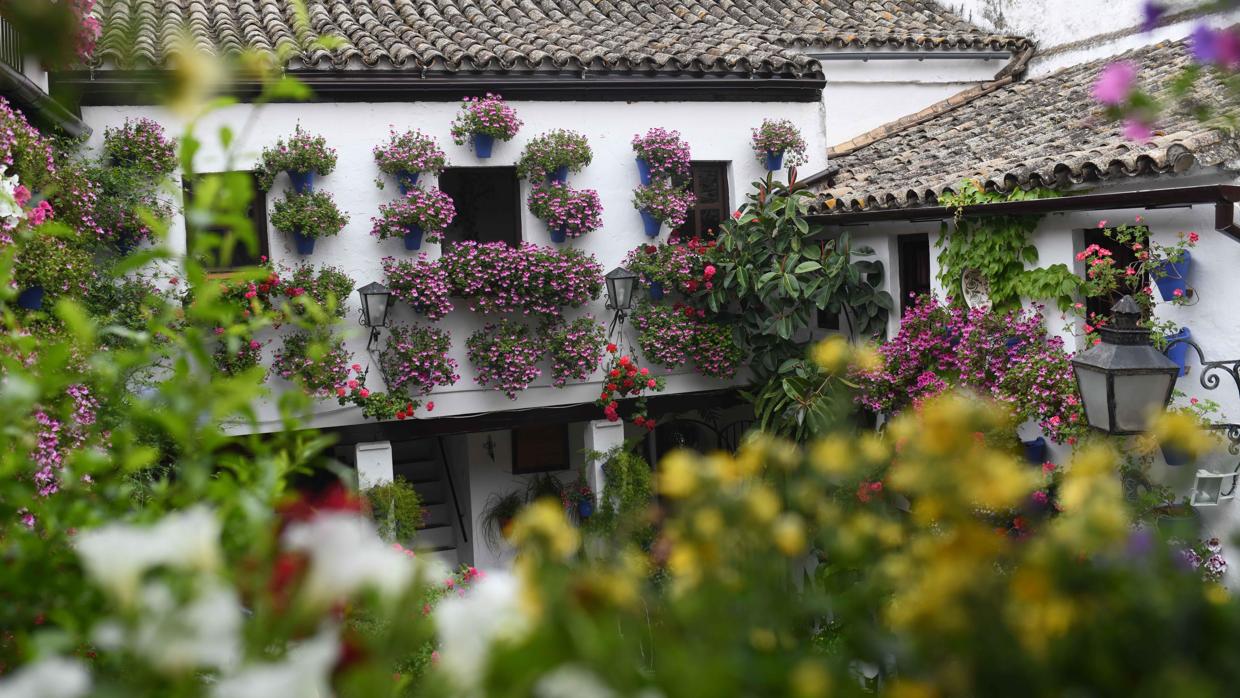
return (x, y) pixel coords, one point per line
(762, 502)
(544, 522)
(1217, 594)
(789, 534)
(809, 680)
(833, 456)
(684, 564)
(831, 354)
(762, 639)
(1182, 431)
(678, 475)
(873, 448)
(867, 359)
(902, 688)
(708, 522)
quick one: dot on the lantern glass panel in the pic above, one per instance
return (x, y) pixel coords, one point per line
(376, 309)
(1209, 489)
(1137, 396)
(1093, 385)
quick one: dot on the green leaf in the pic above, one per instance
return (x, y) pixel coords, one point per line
(804, 267)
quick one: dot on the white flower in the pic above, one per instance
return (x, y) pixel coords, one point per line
(10, 211)
(346, 556)
(572, 681)
(468, 625)
(203, 634)
(304, 673)
(54, 677)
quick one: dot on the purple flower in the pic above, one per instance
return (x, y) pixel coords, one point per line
(1151, 12)
(1115, 83)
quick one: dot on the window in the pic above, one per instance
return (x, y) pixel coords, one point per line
(914, 260)
(537, 449)
(709, 183)
(1123, 256)
(488, 204)
(255, 210)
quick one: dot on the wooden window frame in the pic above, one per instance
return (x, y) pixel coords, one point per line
(258, 219)
(515, 435)
(725, 195)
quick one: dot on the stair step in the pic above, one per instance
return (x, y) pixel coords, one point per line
(435, 537)
(417, 470)
(435, 514)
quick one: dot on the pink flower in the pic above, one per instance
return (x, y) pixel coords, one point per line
(709, 271)
(1193, 238)
(364, 393)
(1137, 130)
(1102, 223)
(22, 195)
(736, 215)
(1178, 292)
(352, 384)
(430, 407)
(1115, 83)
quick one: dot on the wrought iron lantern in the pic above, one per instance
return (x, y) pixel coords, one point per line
(621, 287)
(376, 302)
(1208, 488)
(1123, 380)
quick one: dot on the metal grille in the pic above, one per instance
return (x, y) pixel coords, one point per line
(10, 46)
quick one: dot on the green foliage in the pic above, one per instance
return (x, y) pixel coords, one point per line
(624, 505)
(397, 510)
(800, 401)
(329, 287)
(303, 152)
(498, 515)
(313, 214)
(48, 259)
(554, 149)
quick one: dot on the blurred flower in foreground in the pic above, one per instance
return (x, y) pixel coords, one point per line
(468, 625)
(54, 677)
(1116, 83)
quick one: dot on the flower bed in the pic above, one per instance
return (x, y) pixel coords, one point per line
(409, 153)
(673, 335)
(505, 356)
(488, 116)
(576, 348)
(529, 279)
(141, 144)
(327, 286)
(665, 201)
(302, 153)
(572, 212)
(318, 362)
(423, 285)
(664, 152)
(415, 360)
(779, 136)
(429, 210)
(553, 150)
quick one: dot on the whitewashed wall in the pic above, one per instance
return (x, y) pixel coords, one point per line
(713, 131)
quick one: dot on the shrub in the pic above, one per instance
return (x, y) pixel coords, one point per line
(125, 303)
(665, 202)
(779, 135)
(576, 348)
(489, 116)
(313, 214)
(329, 287)
(552, 150)
(411, 151)
(23, 150)
(415, 359)
(628, 492)
(667, 155)
(505, 356)
(422, 285)
(576, 211)
(529, 279)
(303, 152)
(141, 144)
(317, 361)
(429, 209)
(46, 260)
(397, 510)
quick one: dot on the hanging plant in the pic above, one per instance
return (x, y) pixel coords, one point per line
(576, 348)
(483, 121)
(665, 202)
(568, 212)
(625, 379)
(48, 267)
(141, 144)
(528, 280)
(505, 356)
(317, 361)
(329, 287)
(415, 360)
(302, 156)
(661, 153)
(683, 267)
(407, 155)
(553, 155)
(236, 355)
(308, 217)
(777, 142)
(422, 214)
(422, 285)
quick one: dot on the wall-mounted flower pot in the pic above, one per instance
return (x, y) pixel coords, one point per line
(656, 290)
(1173, 276)
(304, 243)
(585, 508)
(1175, 456)
(1012, 342)
(651, 224)
(558, 235)
(1179, 352)
(559, 175)
(643, 171)
(31, 298)
(482, 144)
(1035, 451)
(774, 160)
(413, 237)
(406, 181)
(302, 182)
(1179, 523)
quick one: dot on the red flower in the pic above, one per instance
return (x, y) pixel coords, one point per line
(430, 407)
(341, 392)
(625, 361)
(650, 424)
(614, 373)
(611, 348)
(400, 415)
(651, 383)
(365, 393)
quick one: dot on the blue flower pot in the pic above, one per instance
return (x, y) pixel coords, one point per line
(304, 243)
(302, 181)
(1035, 451)
(585, 508)
(406, 181)
(774, 160)
(656, 290)
(1174, 456)
(559, 175)
(558, 234)
(31, 298)
(651, 224)
(643, 171)
(1173, 276)
(413, 237)
(1011, 342)
(1179, 352)
(482, 144)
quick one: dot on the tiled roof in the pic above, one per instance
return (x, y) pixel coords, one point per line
(1043, 132)
(517, 36)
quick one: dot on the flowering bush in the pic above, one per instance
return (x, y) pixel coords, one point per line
(303, 152)
(1005, 357)
(313, 214)
(235, 355)
(575, 211)
(776, 136)
(59, 34)
(665, 202)
(429, 209)
(415, 360)
(625, 379)
(552, 150)
(317, 361)
(489, 116)
(505, 356)
(681, 267)
(43, 259)
(667, 155)
(141, 144)
(529, 279)
(124, 194)
(329, 287)
(409, 152)
(673, 335)
(423, 285)
(576, 348)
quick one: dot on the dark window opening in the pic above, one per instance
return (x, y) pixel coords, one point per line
(488, 204)
(537, 449)
(709, 183)
(828, 320)
(254, 206)
(914, 261)
(1124, 256)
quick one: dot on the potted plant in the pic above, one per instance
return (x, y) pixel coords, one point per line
(777, 142)
(576, 349)
(423, 212)
(481, 121)
(498, 515)
(661, 153)
(308, 217)
(674, 335)
(405, 156)
(683, 267)
(625, 379)
(553, 155)
(302, 156)
(236, 355)
(1200, 415)
(568, 213)
(47, 265)
(505, 356)
(329, 287)
(1170, 265)
(141, 144)
(415, 359)
(1034, 450)
(126, 196)
(317, 361)
(396, 508)
(662, 202)
(422, 284)
(578, 498)
(528, 280)
(1177, 350)
(646, 262)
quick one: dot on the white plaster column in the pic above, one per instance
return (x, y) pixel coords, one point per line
(374, 463)
(601, 436)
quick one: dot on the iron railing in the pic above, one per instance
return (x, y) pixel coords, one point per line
(11, 53)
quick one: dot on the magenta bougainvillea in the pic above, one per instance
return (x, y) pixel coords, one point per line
(576, 349)
(505, 356)
(528, 280)
(422, 284)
